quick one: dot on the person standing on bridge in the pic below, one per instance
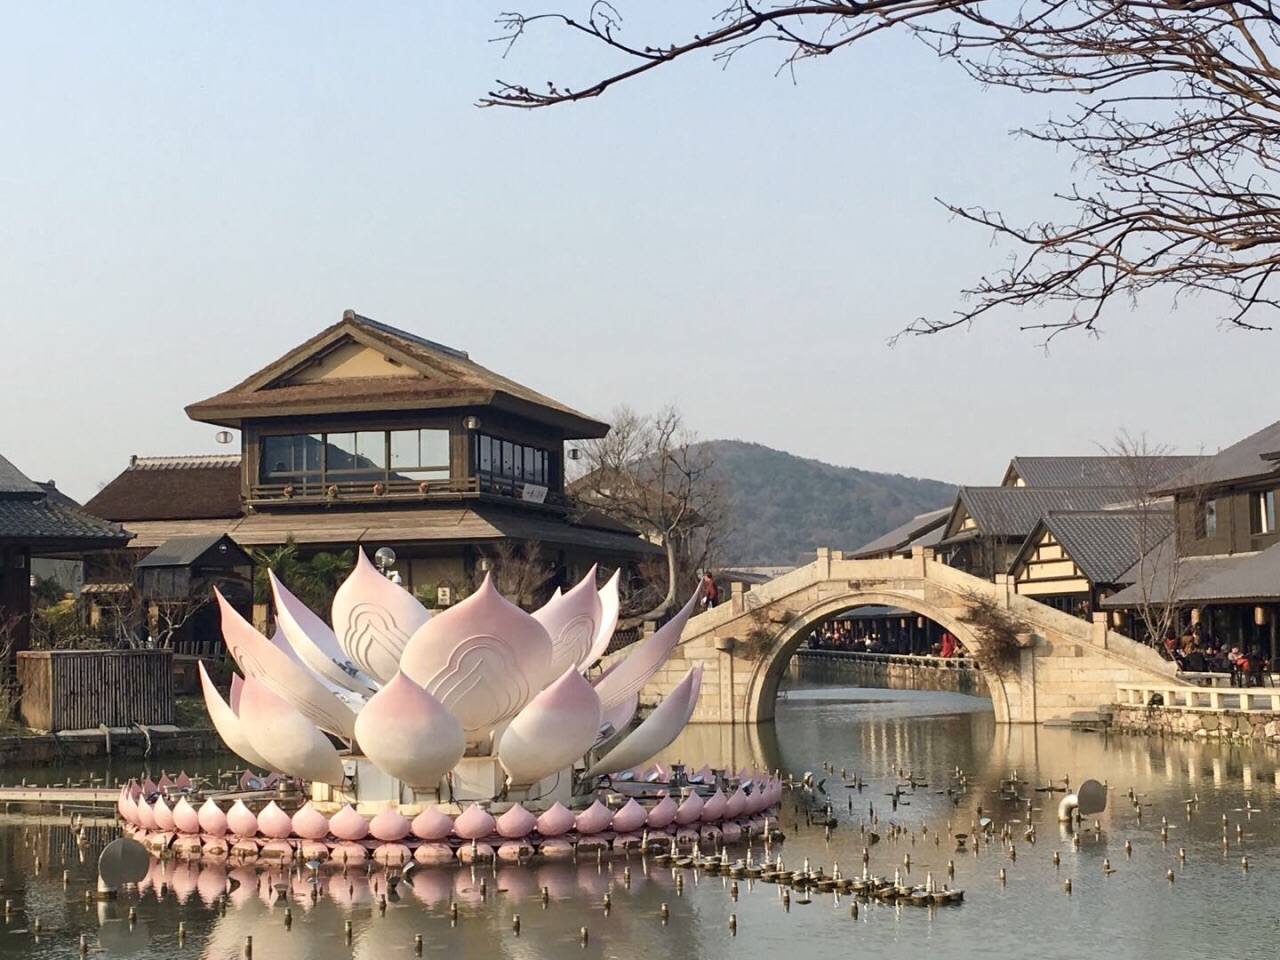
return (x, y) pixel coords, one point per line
(710, 592)
(948, 645)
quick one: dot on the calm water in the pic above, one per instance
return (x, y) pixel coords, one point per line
(1213, 909)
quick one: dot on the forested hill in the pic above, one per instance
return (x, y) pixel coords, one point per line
(780, 506)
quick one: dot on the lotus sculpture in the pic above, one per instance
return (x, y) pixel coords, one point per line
(417, 694)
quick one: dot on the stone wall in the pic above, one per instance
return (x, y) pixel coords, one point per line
(1227, 726)
(887, 675)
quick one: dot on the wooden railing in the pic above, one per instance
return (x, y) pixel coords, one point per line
(398, 491)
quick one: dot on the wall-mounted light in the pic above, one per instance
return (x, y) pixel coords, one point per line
(484, 564)
(471, 423)
(223, 436)
(574, 453)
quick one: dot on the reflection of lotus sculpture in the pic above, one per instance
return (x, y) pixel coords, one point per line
(415, 694)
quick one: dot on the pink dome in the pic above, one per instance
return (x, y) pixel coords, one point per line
(309, 823)
(389, 825)
(690, 811)
(734, 806)
(630, 818)
(129, 809)
(165, 782)
(213, 821)
(146, 819)
(274, 822)
(432, 824)
(594, 819)
(149, 787)
(516, 823)
(240, 820)
(185, 818)
(663, 812)
(475, 822)
(346, 824)
(556, 821)
(433, 853)
(713, 809)
(164, 816)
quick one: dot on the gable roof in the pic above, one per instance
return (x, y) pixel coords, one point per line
(435, 377)
(1104, 544)
(185, 551)
(172, 488)
(1236, 578)
(29, 517)
(913, 531)
(1100, 471)
(1012, 512)
(1254, 457)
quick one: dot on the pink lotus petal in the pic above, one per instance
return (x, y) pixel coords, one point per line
(309, 823)
(475, 822)
(594, 819)
(735, 805)
(240, 820)
(556, 728)
(185, 818)
(165, 782)
(484, 659)
(432, 853)
(390, 825)
(183, 782)
(286, 738)
(374, 618)
(393, 854)
(274, 822)
(432, 824)
(556, 821)
(310, 641)
(690, 811)
(475, 853)
(647, 659)
(408, 734)
(662, 814)
(610, 607)
(146, 818)
(630, 818)
(149, 787)
(713, 809)
(658, 730)
(516, 823)
(212, 820)
(572, 621)
(226, 719)
(346, 824)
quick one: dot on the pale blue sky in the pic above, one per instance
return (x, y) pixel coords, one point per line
(189, 190)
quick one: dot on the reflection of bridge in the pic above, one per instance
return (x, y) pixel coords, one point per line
(1068, 665)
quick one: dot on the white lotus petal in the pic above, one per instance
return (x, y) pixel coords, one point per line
(557, 727)
(374, 618)
(572, 620)
(227, 723)
(650, 654)
(409, 734)
(285, 738)
(484, 659)
(659, 729)
(313, 643)
(616, 719)
(258, 658)
(610, 608)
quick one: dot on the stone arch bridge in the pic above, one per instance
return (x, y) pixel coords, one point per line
(1067, 665)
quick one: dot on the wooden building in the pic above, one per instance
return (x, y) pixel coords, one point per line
(34, 524)
(370, 436)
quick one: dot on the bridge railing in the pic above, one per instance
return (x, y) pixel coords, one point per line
(882, 659)
(1202, 699)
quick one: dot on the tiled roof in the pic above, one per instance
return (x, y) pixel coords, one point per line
(43, 523)
(1105, 544)
(434, 377)
(184, 551)
(1236, 578)
(1013, 512)
(172, 488)
(911, 531)
(1244, 460)
(13, 482)
(1102, 471)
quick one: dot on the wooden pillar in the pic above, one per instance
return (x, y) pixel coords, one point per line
(15, 598)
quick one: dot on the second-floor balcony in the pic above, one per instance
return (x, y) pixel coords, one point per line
(307, 492)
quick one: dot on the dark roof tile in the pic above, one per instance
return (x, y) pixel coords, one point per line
(172, 488)
(1101, 471)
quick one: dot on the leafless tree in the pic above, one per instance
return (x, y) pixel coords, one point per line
(1162, 573)
(519, 570)
(1173, 115)
(124, 606)
(652, 474)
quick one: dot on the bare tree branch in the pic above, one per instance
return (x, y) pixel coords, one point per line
(1174, 119)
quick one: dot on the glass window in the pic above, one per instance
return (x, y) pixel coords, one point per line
(340, 452)
(371, 450)
(1209, 526)
(404, 449)
(508, 457)
(285, 458)
(486, 454)
(1264, 512)
(435, 448)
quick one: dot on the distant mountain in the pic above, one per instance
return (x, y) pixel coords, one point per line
(781, 507)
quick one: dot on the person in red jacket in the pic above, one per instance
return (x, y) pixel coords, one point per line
(710, 592)
(948, 645)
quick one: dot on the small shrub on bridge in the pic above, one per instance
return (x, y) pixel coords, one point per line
(996, 631)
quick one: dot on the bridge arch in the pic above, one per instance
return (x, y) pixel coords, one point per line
(762, 687)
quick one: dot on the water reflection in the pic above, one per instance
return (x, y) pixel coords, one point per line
(875, 735)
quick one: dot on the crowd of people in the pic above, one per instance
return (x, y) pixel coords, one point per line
(862, 637)
(1195, 652)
